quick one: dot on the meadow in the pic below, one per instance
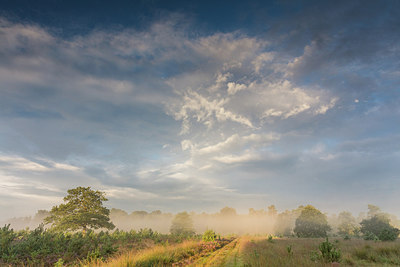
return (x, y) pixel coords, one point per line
(86, 237)
(267, 251)
(41, 247)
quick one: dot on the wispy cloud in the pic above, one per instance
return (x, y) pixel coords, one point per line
(159, 115)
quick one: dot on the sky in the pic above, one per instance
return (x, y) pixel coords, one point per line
(197, 105)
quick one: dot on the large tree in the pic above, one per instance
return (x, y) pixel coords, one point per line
(311, 223)
(379, 226)
(347, 224)
(182, 224)
(228, 211)
(83, 209)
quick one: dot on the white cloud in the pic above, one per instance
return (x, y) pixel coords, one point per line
(222, 88)
(16, 163)
(186, 145)
(127, 193)
(324, 108)
(232, 159)
(233, 88)
(205, 111)
(261, 60)
(284, 100)
(236, 143)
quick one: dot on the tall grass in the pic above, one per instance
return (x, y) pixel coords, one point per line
(157, 256)
(305, 252)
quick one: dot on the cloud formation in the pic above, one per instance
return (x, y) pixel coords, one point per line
(164, 118)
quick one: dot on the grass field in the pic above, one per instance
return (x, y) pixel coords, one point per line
(264, 251)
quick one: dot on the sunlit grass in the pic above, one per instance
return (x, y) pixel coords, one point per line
(262, 251)
(302, 252)
(156, 256)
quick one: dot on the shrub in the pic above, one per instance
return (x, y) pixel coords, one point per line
(378, 227)
(182, 225)
(7, 235)
(389, 234)
(209, 236)
(370, 236)
(329, 252)
(311, 223)
(289, 250)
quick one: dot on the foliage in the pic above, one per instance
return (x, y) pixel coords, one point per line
(7, 236)
(286, 221)
(83, 210)
(346, 237)
(272, 211)
(182, 224)
(347, 224)
(209, 236)
(370, 236)
(374, 211)
(378, 226)
(329, 252)
(311, 223)
(41, 247)
(289, 250)
(228, 211)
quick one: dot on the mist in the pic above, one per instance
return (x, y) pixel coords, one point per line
(225, 222)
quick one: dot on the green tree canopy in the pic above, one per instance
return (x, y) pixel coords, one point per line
(228, 211)
(311, 223)
(285, 221)
(374, 211)
(272, 211)
(379, 226)
(182, 224)
(83, 209)
(347, 224)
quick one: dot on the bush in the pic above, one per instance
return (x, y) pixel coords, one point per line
(209, 236)
(370, 236)
(378, 227)
(7, 235)
(329, 252)
(42, 247)
(182, 225)
(389, 234)
(289, 250)
(311, 223)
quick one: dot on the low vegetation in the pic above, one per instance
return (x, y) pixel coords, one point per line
(46, 247)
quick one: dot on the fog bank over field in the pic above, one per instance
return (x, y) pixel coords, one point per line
(226, 221)
(221, 223)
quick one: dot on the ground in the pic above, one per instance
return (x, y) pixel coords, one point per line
(266, 251)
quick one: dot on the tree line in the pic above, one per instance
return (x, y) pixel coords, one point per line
(83, 209)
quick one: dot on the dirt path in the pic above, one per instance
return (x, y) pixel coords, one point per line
(227, 256)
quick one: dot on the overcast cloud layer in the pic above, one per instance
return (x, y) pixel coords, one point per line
(174, 116)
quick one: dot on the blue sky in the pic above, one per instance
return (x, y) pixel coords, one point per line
(179, 105)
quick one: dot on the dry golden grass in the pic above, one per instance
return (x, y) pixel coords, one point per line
(356, 252)
(261, 251)
(229, 255)
(155, 256)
